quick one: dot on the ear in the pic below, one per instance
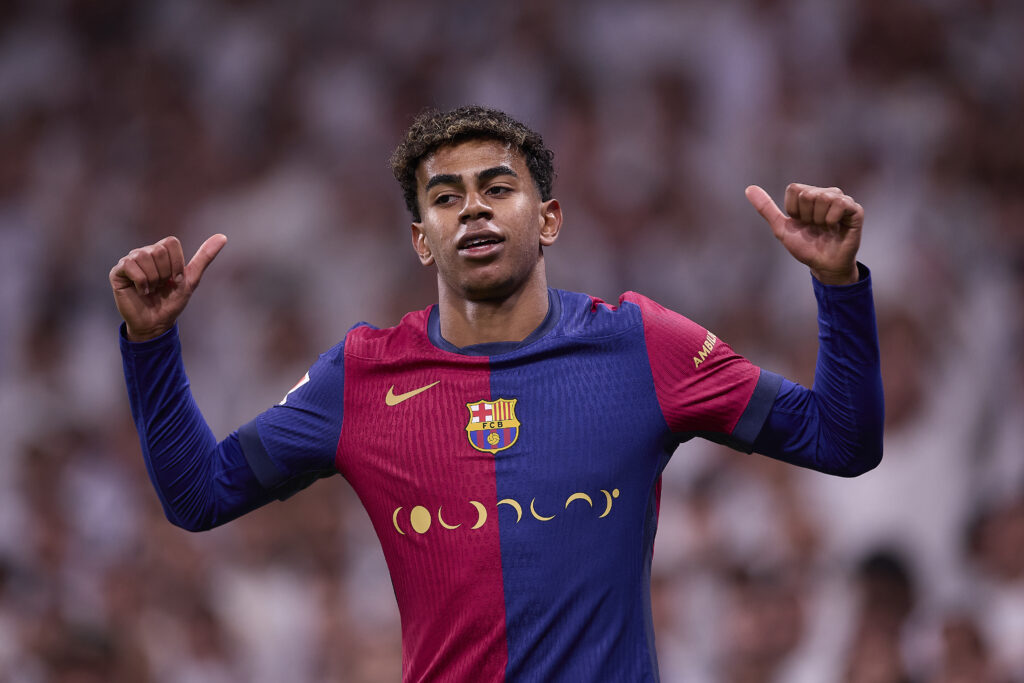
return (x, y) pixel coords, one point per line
(420, 245)
(551, 214)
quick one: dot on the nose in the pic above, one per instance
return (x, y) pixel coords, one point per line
(474, 207)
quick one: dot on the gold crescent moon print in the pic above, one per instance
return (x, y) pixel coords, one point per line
(514, 505)
(421, 519)
(441, 521)
(534, 512)
(481, 512)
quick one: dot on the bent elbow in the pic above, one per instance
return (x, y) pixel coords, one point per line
(188, 522)
(190, 525)
(861, 462)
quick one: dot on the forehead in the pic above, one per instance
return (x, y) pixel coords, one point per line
(467, 159)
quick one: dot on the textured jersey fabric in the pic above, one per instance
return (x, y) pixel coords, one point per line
(515, 498)
(513, 486)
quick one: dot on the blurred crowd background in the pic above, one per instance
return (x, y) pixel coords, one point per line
(122, 122)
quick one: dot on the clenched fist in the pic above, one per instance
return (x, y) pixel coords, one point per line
(152, 284)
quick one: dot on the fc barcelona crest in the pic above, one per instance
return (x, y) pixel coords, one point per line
(492, 425)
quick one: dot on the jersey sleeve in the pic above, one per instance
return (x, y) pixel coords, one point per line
(836, 426)
(703, 387)
(201, 483)
(294, 443)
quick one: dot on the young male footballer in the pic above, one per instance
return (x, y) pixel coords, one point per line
(508, 441)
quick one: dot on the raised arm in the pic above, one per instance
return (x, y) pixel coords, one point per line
(836, 426)
(201, 483)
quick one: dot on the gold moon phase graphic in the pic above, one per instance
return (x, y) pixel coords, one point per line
(481, 512)
(394, 519)
(579, 496)
(515, 506)
(441, 521)
(534, 512)
(419, 517)
(609, 497)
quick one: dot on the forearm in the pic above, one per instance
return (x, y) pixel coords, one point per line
(836, 427)
(201, 483)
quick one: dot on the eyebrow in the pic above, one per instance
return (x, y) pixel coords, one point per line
(484, 175)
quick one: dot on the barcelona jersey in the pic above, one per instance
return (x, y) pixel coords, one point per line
(514, 486)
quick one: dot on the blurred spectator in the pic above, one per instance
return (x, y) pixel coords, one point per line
(965, 656)
(886, 596)
(764, 623)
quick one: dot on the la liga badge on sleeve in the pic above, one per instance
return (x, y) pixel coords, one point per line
(492, 425)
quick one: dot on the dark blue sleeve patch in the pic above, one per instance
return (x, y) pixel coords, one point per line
(756, 412)
(256, 455)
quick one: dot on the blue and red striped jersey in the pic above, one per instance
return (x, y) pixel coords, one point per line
(514, 486)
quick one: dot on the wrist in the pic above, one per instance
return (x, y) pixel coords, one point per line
(835, 278)
(144, 335)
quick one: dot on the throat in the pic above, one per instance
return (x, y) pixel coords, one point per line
(512, 319)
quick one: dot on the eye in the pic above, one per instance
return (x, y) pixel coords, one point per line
(497, 190)
(444, 199)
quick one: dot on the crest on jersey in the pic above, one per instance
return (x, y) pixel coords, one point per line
(493, 425)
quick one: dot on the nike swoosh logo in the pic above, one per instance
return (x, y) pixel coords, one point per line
(393, 399)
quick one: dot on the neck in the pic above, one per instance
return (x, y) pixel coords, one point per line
(465, 322)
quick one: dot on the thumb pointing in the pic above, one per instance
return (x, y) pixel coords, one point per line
(204, 257)
(768, 209)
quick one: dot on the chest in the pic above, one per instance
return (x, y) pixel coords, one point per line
(574, 427)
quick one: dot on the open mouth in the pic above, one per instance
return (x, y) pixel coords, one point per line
(475, 243)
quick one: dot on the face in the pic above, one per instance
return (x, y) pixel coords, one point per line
(483, 222)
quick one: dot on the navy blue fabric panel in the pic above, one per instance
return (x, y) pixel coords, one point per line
(753, 417)
(837, 426)
(257, 457)
(201, 483)
(650, 530)
(298, 437)
(592, 441)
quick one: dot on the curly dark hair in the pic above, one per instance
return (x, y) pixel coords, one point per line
(432, 129)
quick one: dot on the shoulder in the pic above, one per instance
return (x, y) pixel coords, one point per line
(367, 341)
(583, 313)
(658, 319)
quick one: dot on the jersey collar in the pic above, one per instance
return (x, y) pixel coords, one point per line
(494, 348)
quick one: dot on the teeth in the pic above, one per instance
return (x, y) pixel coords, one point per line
(479, 243)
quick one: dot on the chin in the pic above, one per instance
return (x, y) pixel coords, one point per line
(489, 288)
(490, 283)
(489, 292)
